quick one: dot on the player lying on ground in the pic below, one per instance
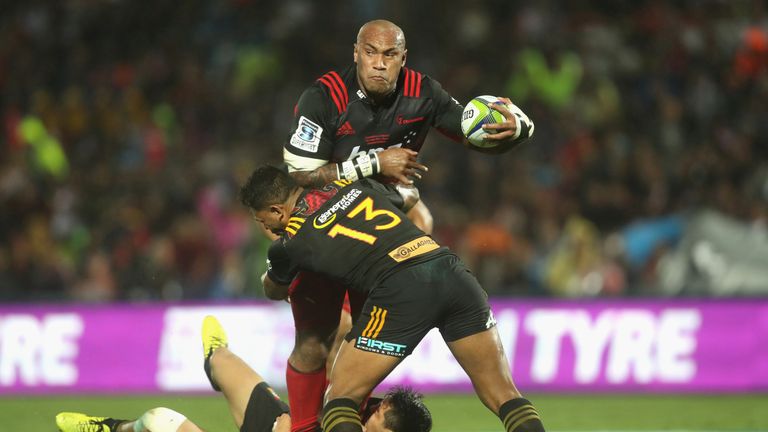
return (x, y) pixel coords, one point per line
(359, 234)
(254, 405)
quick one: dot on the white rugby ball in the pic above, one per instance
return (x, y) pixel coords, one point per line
(477, 113)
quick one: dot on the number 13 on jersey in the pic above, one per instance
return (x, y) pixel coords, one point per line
(369, 213)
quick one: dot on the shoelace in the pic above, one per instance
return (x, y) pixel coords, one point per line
(217, 343)
(88, 427)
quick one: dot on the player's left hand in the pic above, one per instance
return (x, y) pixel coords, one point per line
(503, 131)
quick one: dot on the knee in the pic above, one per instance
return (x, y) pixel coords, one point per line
(160, 420)
(311, 349)
(282, 423)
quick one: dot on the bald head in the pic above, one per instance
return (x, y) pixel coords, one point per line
(379, 54)
(382, 28)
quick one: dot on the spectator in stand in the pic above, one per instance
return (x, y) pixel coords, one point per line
(135, 125)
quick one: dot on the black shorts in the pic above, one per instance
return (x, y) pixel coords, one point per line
(440, 292)
(264, 407)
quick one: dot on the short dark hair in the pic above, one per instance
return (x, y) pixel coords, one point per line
(408, 412)
(267, 185)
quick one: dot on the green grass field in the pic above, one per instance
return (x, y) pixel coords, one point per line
(452, 413)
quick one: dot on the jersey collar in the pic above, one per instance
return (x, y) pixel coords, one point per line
(355, 92)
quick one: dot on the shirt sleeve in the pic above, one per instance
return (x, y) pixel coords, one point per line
(447, 118)
(310, 143)
(280, 269)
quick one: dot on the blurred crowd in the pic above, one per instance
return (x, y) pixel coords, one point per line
(127, 127)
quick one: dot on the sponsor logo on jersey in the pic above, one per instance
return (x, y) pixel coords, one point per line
(307, 135)
(403, 121)
(324, 218)
(356, 151)
(320, 225)
(380, 347)
(413, 249)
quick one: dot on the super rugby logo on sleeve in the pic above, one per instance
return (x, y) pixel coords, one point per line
(307, 135)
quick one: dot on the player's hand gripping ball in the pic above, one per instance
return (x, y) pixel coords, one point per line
(477, 113)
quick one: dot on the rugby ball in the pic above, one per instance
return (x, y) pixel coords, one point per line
(477, 113)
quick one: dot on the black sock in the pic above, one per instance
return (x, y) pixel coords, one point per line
(207, 369)
(518, 415)
(111, 423)
(341, 415)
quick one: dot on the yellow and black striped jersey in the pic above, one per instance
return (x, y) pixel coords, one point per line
(357, 235)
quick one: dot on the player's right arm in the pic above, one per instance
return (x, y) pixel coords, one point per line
(309, 149)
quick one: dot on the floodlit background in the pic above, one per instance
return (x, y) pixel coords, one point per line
(127, 127)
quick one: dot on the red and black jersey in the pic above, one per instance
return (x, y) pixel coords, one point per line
(335, 121)
(357, 236)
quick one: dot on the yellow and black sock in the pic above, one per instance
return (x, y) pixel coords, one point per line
(341, 415)
(518, 415)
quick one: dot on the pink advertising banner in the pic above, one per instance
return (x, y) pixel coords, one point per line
(581, 346)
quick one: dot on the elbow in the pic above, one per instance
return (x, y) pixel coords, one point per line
(410, 195)
(421, 217)
(273, 294)
(274, 291)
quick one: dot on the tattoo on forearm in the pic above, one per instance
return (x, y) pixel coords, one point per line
(317, 178)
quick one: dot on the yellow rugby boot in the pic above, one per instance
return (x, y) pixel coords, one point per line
(78, 422)
(214, 338)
